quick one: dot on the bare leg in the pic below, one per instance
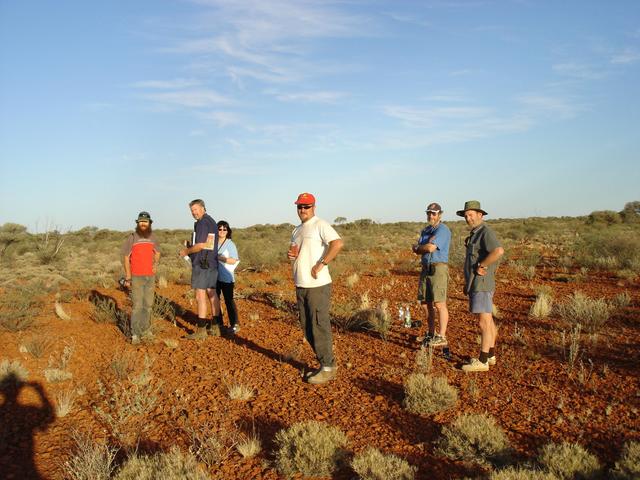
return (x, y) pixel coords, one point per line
(488, 332)
(431, 317)
(443, 316)
(203, 302)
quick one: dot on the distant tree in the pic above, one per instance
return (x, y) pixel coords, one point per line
(631, 212)
(604, 216)
(11, 233)
(339, 220)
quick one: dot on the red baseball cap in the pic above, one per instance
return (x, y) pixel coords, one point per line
(305, 199)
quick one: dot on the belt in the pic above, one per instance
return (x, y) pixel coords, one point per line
(438, 263)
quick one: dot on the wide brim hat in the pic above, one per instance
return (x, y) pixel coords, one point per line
(471, 205)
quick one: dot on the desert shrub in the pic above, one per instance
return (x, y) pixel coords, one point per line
(171, 465)
(105, 310)
(569, 460)
(122, 364)
(249, 446)
(163, 307)
(592, 314)
(628, 465)
(608, 217)
(521, 473)
(475, 438)
(425, 394)
(18, 308)
(620, 248)
(367, 319)
(424, 359)
(351, 280)
(90, 461)
(11, 233)
(13, 370)
(542, 307)
(311, 448)
(48, 245)
(631, 212)
(375, 465)
(57, 368)
(206, 445)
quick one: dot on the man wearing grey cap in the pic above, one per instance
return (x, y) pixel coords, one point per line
(481, 260)
(433, 246)
(140, 256)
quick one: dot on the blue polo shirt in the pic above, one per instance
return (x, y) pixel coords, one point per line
(440, 236)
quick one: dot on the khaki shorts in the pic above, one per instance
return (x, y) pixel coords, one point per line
(433, 288)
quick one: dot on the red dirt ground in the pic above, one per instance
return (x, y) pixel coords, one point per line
(529, 392)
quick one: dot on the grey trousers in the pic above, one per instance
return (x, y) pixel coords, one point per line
(142, 296)
(313, 308)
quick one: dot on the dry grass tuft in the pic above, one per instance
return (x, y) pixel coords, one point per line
(475, 438)
(36, 346)
(13, 370)
(375, 465)
(425, 394)
(311, 448)
(90, 461)
(569, 460)
(542, 307)
(239, 391)
(65, 400)
(249, 445)
(206, 445)
(521, 473)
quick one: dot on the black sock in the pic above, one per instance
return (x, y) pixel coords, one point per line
(202, 322)
(483, 357)
(492, 353)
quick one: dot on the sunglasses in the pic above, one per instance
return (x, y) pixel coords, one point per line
(432, 212)
(304, 207)
(222, 228)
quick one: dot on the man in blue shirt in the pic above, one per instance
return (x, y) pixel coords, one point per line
(433, 246)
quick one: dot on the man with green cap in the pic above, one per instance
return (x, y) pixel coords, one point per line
(483, 250)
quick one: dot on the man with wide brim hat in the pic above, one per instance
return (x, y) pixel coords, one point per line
(483, 250)
(471, 205)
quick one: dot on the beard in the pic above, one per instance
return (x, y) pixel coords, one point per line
(144, 233)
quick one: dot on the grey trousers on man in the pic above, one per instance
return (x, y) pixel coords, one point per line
(142, 296)
(313, 308)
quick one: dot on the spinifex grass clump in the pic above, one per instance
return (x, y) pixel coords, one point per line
(542, 307)
(18, 308)
(591, 313)
(521, 473)
(13, 371)
(475, 438)
(310, 448)
(170, 465)
(90, 461)
(628, 465)
(425, 394)
(375, 465)
(569, 460)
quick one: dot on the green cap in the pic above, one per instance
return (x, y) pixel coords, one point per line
(471, 205)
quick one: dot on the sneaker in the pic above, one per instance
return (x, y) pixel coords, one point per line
(491, 360)
(235, 329)
(135, 340)
(199, 334)
(475, 365)
(324, 375)
(310, 373)
(438, 341)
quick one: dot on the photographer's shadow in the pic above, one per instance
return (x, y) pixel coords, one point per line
(18, 424)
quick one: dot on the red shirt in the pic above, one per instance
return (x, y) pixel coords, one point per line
(141, 252)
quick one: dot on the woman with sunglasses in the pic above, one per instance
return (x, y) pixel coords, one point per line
(227, 262)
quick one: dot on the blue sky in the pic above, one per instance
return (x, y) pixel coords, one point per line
(376, 107)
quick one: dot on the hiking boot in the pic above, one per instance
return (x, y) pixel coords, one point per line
(475, 365)
(199, 334)
(324, 375)
(438, 341)
(491, 360)
(213, 329)
(135, 340)
(426, 341)
(235, 329)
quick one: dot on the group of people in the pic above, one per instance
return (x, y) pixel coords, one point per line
(213, 257)
(483, 250)
(314, 244)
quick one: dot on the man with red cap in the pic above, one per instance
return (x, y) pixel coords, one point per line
(314, 244)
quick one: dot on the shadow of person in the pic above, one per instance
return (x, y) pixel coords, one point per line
(18, 424)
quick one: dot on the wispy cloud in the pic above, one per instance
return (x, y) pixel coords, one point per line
(166, 84)
(189, 98)
(233, 167)
(550, 105)
(223, 119)
(579, 71)
(312, 97)
(426, 117)
(626, 57)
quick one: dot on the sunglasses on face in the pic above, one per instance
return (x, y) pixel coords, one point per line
(304, 207)
(222, 228)
(432, 212)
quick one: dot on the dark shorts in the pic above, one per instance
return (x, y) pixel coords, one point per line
(481, 302)
(202, 278)
(433, 288)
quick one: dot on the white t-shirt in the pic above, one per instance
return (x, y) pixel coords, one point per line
(312, 237)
